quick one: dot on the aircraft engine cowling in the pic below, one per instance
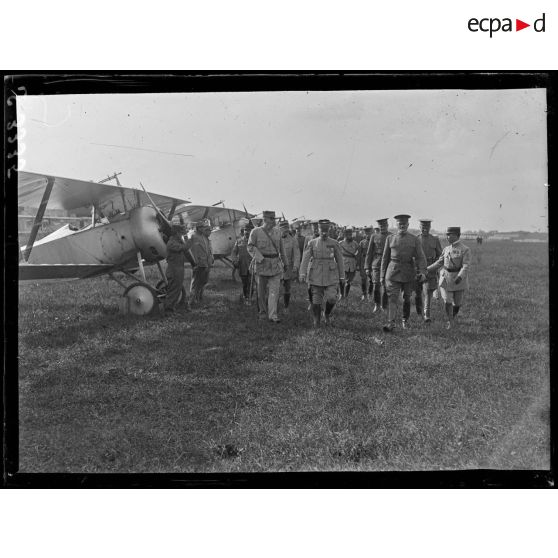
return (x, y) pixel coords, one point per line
(147, 234)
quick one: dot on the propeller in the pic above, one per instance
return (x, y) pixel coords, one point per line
(166, 224)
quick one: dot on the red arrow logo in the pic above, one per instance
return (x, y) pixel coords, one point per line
(519, 25)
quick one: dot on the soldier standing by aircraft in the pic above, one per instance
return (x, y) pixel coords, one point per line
(324, 262)
(454, 261)
(201, 248)
(266, 247)
(373, 263)
(291, 262)
(241, 261)
(178, 252)
(432, 250)
(349, 249)
(365, 285)
(402, 253)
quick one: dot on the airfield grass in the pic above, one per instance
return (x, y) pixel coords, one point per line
(216, 390)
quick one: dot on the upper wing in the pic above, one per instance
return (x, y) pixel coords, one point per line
(80, 195)
(218, 216)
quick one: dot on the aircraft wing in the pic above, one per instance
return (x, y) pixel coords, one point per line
(79, 196)
(34, 272)
(217, 215)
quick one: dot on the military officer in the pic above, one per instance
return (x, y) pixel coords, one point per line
(324, 262)
(402, 253)
(265, 245)
(307, 239)
(373, 263)
(291, 262)
(201, 248)
(365, 285)
(178, 252)
(349, 249)
(432, 251)
(242, 260)
(454, 261)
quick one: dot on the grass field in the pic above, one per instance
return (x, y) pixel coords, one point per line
(215, 390)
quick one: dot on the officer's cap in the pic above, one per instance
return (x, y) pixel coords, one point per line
(284, 225)
(402, 217)
(367, 229)
(382, 221)
(453, 230)
(425, 220)
(270, 214)
(349, 230)
(324, 224)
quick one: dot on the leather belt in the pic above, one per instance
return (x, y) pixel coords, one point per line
(453, 270)
(270, 255)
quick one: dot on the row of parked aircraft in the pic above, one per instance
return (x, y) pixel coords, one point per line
(127, 229)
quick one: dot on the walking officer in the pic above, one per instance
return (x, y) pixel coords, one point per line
(432, 251)
(373, 264)
(324, 262)
(242, 259)
(201, 248)
(349, 249)
(291, 262)
(365, 285)
(402, 253)
(178, 252)
(265, 245)
(454, 261)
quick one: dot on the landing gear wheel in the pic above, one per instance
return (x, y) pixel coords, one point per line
(141, 299)
(162, 292)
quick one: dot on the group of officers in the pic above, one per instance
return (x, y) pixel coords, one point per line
(270, 256)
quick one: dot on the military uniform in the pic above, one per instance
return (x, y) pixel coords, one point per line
(291, 264)
(432, 250)
(373, 264)
(241, 260)
(324, 262)
(402, 257)
(365, 285)
(349, 250)
(201, 249)
(269, 255)
(178, 252)
(454, 263)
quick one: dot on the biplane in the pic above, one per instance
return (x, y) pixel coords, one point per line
(127, 229)
(226, 224)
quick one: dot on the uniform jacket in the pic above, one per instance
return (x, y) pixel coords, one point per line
(402, 258)
(292, 256)
(241, 256)
(350, 254)
(362, 251)
(454, 261)
(324, 262)
(375, 250)
(201, 248)
(431, 247)
(269, 257)
(178, 251)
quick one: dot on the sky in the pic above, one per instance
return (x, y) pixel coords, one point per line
(470, 158)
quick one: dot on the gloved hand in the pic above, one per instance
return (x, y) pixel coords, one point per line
(368, 273)
(302, 278)
(421, 277)
(458, 280)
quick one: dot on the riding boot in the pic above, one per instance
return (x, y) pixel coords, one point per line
(455, 311)
(449, 313)
(317, 312)
(347, 289)
(328, 309)
(406, 309)
(418, 304)
(286, 300)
